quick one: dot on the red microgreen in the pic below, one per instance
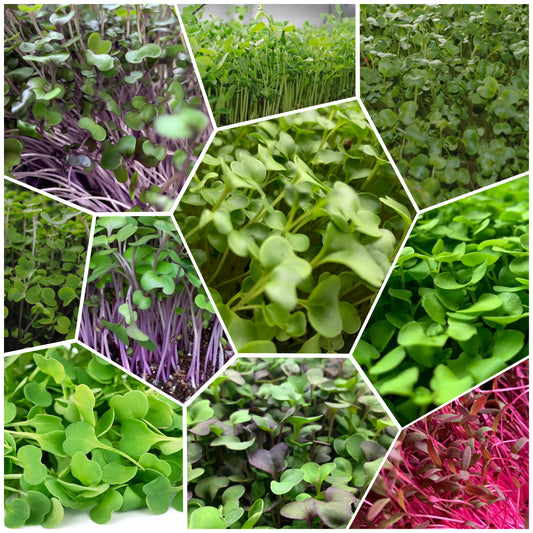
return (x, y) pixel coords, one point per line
(463, 466)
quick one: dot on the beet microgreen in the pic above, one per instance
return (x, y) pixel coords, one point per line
(90, 91)
(294, 223)
(71, 444)
(279, 461)
(264, 67)
(45, 246)
(464, 466)
(447, 87)
(145, 306)
(455, 309)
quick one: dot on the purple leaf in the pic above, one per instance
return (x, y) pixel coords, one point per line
(270, 461)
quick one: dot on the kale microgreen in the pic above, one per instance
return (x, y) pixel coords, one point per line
(447, 88)
(79, 450)
(299, 456)
(45, 245)
(455, 308)
(265, 67)
(463, 466)
(89, 93)
(145, 306)
(294, 223)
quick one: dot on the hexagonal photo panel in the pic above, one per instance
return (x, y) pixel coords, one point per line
(294, 223)
(261, 60)
(447, 88)
(145, 307)
(84, 441)
(45, 252)
(455, 309)
(464, 466)
(283, 442)
(102, 107)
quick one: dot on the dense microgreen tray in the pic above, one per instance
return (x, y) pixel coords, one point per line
(464, 466)
(447, 87)
(264, 67)
(455, 309)
(145, 307)
(294, 223)
(101, 103)
(80, 436)
(283, 443)
(45, 245)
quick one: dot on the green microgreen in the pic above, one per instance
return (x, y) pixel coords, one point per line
(455, 309)
(75, 452)
(294, 223)
(45, 246)
(447, 87)
(145, 306)
(264, 67)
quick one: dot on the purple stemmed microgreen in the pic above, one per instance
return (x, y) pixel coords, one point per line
(101, 108)
(145, 307)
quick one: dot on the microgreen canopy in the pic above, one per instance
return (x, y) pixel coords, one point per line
(45, 245)
(71, 445)
(463, 466)
(299, 457)
(89, 91)
(145, 306)
(455, 309)
(264, 67)
(294, 223)
(447, 87)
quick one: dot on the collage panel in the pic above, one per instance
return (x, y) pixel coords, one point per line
(294, 223)
(257, 60)
(102, 105)
(45, 252)
(447, 87)
(145, 307)
(455, 309)
(85, 442)
(462, 467)
(283, 443)
(300, 234)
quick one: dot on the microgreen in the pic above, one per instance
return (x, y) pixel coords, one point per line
(45, 246)
(89, 91)
(264, 67)
(294, 223)
(145, 306)
(464, 466)
(77, 451)
(447, 87)
(299, 457)
(455, 309)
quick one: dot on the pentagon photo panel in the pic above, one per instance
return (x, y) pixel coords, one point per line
(266, 266)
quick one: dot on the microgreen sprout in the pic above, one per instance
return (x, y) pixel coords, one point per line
(265, 67)
(447, 86)
(294, 224)
(101, 107)
(80, 436)
(463, 466)
(145, 307)
(283, 443)
(45, 245)
(455, 310)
